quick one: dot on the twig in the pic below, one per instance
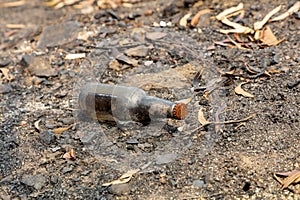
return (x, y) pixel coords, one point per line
(225, 122)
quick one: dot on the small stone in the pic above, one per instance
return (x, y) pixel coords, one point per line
(148, 63)
(67, 121)
(167, 158)
(155, 35)
(139, 51)
(50, 126)
(296, 15)
(66, 169)
(58, 34)
(38, 66)
(119, 189)
(47, 137)
(132, 141)
(298, 59)
(5, 62)
(198, 183)
(162, 23)
(275, 60)
(4, 88)
(37, 181)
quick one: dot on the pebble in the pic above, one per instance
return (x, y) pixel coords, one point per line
(37, 181)
(166, 158)
(5, 62)
(198, 183)
(66, 169)
(47, 137)
(275, 60)
(139, 51)
(4, 89)
(58, 34)
(67, 121)
(38, 66)
(132, 141)
(119, 189)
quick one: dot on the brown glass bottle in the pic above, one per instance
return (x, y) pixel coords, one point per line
(121, 103)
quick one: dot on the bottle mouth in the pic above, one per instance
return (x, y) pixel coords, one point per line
(180, 111)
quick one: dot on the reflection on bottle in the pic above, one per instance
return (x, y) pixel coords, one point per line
(106, 102)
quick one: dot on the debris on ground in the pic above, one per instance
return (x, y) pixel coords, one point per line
(287, 178)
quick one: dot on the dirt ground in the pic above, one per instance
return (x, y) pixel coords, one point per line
(142, 44)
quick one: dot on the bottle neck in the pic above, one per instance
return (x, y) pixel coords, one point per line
(157, 108)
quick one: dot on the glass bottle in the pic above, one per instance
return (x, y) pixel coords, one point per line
(106, 102)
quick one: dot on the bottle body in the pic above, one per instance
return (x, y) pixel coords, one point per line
(106, 102)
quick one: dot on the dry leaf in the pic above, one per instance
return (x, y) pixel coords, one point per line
(239, 90)
(60, 130)
(183, 20)
(229, 11)
(123, 179)
(268, 38)
(201, 117)
(238, 28)
(290, 178)
(258, 25)
(195, 19)
(72, 56)
(293, 9)
(5, 73)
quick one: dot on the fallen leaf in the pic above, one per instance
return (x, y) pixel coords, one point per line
(201, 117)
(239, 90)
(73, 56)
(183, 20)
(195, 19)
(229, 11)
(123, 179)
(290, 178)
(258, 25)
(5, 73)
(293, 9)
(268, 38)
(60, 130)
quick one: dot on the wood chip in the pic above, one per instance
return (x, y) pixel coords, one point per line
(293, 9)
(73, 56)
(70, 155)
(5, 72)
(229, 11)
(60, 130)
(183, 20)
(195, 19)
(258, 25)
(36, 125)
(12, 4)
(123, 179)
(238, 28)
(290, 178)
(239, 90)
(267, 37)
(201, 117)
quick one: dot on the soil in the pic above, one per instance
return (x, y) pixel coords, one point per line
(42, 128)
